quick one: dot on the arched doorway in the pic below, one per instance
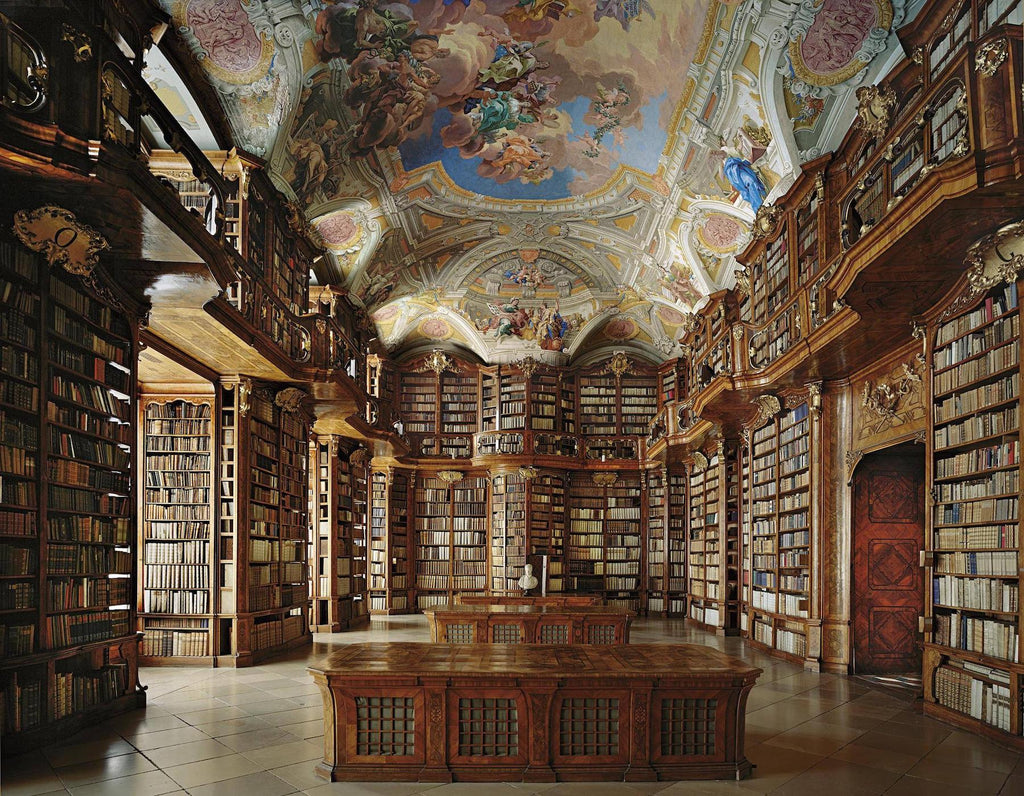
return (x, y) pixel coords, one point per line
(888, 535)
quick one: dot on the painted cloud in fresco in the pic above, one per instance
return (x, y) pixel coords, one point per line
(514, 97)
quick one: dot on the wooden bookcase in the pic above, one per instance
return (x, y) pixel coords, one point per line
(336, 562)
(177, 558)
(656, 585)
(527, 518)
(712, 552)
(605, 552)
(972, 669)
(264, 521)
(391, 552)
(450, 525)
(68, 412)
(746, 537)
(780, 554)
(677, 527)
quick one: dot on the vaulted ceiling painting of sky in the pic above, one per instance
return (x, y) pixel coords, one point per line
(517, 99)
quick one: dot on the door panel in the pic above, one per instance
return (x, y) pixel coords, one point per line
(888, 534)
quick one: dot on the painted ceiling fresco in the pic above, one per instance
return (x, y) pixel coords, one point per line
(535, 177)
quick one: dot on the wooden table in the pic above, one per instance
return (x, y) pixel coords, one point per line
(536, 713)
(519, 599)
(529, 624)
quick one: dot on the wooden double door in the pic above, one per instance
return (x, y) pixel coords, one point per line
(888, 535)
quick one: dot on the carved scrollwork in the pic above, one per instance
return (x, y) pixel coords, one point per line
(528, 472)
(438, 361)
(61, 237)
(604, 479)
(80, 43)
(766, 221)
(875, 105)
(852, 460)
(619, 365)
(883, 400)
(990, 57)
(742, 280)
(994, 260)
(528, 365)
(767, 406)
(700, 462)
(290, 399)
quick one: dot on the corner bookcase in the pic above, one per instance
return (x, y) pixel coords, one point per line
(527, 519)
(450, 527)
(390, 549)
(68, 646)
(972, 665)
(779, 569)
(176, 552)
(337, 565)
(264, 519)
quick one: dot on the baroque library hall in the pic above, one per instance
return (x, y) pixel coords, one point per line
(342, 417)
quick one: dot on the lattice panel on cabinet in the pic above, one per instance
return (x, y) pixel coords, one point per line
(554, 634)
(601, 634)
(589, 726)
(385, 726)
(488, 727)
(688, 727)
(507, 634)
(458, 634)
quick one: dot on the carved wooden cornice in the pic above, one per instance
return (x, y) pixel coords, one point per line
(768, 406)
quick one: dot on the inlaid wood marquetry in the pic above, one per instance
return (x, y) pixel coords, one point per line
(531, 712)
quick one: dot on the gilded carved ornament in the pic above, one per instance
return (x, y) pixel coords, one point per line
(437, 361)
(875, 105)
(990, 57)
(604, 479)
(61, 237)
(450, 476)
(528, 365)
(80, 42)
(814, 393)
(993, 260)
(742, 280)
(766, 220)
(619, 365)
(700, 462)
(767, 407)
(884, 399)
(290, 399)
(528, 472)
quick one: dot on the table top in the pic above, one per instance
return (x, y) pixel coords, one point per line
(634, 661)
(477, 609)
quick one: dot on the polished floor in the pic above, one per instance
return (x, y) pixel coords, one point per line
(258, 732)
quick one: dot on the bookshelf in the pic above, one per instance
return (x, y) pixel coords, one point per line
(68, 648)
(712, 552)
(746, 539)
(264, 521)
(656, 588)
(604, 552)
(678, 532)
(527, 518)
(972, 669)
(598, 405)
(780, 553)
(769, 277)
(337, 581)
(177, 559)
(459, 400)
(390, 549)
(450, 525)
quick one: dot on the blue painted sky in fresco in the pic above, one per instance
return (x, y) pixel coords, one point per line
(642, 150)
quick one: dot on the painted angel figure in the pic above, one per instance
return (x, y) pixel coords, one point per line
(625, 11)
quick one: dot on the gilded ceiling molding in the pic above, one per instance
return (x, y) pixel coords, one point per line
(767, 406)
(61, 237)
